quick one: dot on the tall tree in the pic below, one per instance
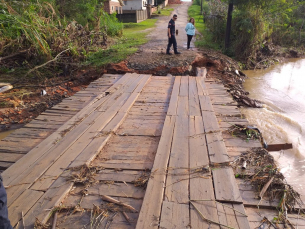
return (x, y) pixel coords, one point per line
(229, 23)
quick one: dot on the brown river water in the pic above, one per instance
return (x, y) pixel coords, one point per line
(282, 120)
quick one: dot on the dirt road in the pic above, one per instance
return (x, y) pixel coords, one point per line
(151, 57)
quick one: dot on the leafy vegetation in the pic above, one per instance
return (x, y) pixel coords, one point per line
(164, 12)
(49, 28)
(76, 32)
(255, 25)
(205, 40)
(134, 34)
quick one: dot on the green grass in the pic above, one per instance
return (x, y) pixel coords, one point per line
(134, 35)
(206, 39)
(164, 12)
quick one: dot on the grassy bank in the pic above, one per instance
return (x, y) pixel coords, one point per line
(134, 35)
(164, 12)
(205, 39)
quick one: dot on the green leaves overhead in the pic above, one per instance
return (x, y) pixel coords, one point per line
(254, 22)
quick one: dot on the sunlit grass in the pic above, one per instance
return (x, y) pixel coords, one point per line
(164, 12)
(134, 35)
(206, 39)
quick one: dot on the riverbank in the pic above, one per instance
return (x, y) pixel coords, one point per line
(221, 69)
(280, 88)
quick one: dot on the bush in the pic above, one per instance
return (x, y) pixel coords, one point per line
(111, 24)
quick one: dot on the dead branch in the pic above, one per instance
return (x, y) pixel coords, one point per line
(14, 54)
(109, 199)
(40, 66)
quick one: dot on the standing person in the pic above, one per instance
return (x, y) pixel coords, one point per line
(171, 35)
(190, 31)
(4, 221)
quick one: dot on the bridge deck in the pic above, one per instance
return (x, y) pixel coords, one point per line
(121, 132)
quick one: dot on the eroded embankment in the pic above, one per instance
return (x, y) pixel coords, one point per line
(21, 105)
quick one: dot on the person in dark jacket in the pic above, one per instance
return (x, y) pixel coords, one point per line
(4, 221)
(172, 36)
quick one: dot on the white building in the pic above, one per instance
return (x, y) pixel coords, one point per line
(137, 4)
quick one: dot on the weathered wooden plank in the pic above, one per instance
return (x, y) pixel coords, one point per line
(5, 165)
(151, 208)
(172, 108)
(194, 107)
(85, 149)
(141, 127)
(177, 183)
(201, 87)
(118, 146)
(205, 103)
(174, 215)
(197, 142)
(184, 86)
(96, 145)
(208, 210)
(216, 148)
(115, 175)
(226, 189)
(226, 110)
(51, 198)
(36, 153)
(118, 189)
(183, 107)
(42, 164)
(201, 187)
(242, 220)
(43, 183)
(210, 122)
(120, 222)
(23, 204)
(125, 164)
(10, 157)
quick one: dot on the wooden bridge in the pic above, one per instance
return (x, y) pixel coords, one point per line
(108, 140)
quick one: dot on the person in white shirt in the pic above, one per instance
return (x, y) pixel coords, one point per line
(190, 31)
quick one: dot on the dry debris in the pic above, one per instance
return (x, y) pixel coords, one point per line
(84, 175)
(246, 133)
(261, 172)
(142, 180)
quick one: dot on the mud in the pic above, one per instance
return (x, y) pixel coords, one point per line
(21, 105)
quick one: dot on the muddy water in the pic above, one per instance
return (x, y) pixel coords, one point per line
(282, 89)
